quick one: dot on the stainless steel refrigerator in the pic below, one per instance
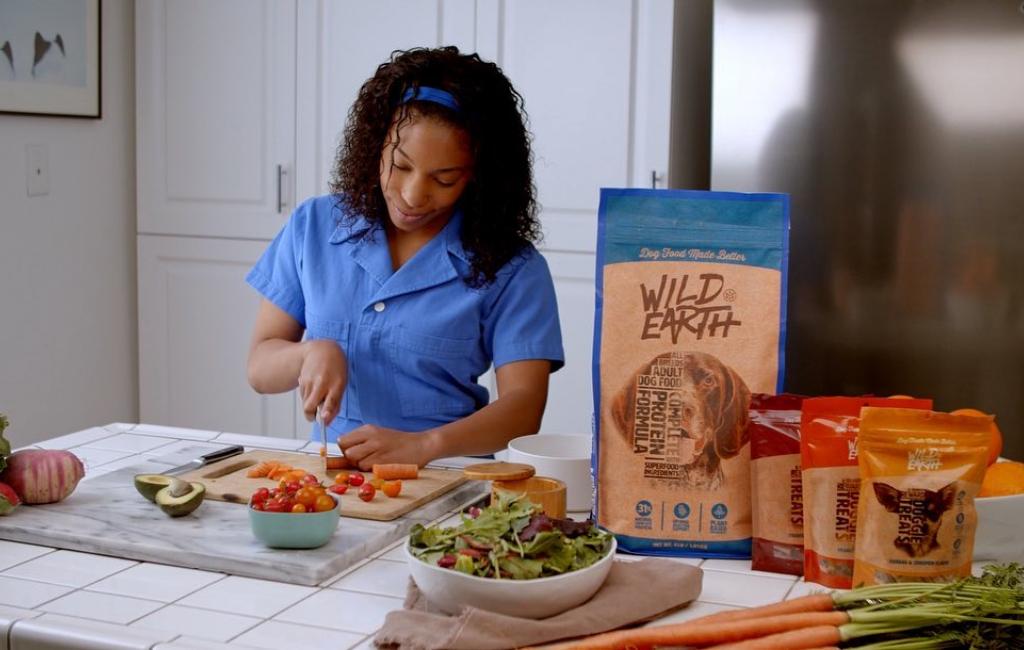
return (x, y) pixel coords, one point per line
(897, 127)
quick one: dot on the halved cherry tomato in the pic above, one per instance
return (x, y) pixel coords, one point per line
(341, 478)
(338, 488)
(355, 479)
(367, 492)
(392, 488)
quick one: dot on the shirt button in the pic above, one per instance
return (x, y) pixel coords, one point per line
(379, 307)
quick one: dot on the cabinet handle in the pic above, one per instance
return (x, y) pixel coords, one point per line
(280, 192)
(654, 179)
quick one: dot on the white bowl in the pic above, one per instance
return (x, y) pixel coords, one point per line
(1000, 533)
(452, 590)
(562, 456)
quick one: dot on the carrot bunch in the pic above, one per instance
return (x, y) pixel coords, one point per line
(975, 612)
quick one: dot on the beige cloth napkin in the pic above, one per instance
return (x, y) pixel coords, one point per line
(634, 592)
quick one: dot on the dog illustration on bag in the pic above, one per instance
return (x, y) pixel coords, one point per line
(685, 412)
(919, 513)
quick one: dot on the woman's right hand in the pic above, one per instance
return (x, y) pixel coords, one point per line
(322, 378)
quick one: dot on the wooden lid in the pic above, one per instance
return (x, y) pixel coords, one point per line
(498, 471)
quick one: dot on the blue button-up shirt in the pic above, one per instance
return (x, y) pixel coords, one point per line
(417, 339)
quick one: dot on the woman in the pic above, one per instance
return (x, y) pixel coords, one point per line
(385, 300)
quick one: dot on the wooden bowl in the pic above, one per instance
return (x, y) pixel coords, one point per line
(548, 493)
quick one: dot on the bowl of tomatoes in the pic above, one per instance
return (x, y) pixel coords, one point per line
(295, 514)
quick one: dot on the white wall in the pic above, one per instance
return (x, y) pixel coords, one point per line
(68, 335)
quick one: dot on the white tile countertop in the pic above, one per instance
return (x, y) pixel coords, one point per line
(55, 598)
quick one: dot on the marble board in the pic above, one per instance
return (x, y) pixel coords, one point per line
(106, 515)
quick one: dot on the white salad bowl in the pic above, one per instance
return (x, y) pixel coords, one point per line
(452, 590)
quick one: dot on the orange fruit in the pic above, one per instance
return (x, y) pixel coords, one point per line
(900, 397)
(1002, 479)
(996, 444)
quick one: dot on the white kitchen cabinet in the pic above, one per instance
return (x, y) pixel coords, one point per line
(229, 92)
(195, 320)
(215, 124)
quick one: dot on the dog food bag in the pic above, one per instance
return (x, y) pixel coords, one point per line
(828, 455)
(920, 472)
(690, 307)
(776, 485)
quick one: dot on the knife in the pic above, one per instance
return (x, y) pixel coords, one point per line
(207, 459)
(323, 436)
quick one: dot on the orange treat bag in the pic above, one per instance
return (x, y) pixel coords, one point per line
(920, 472)
(777, 532)
(831, 483)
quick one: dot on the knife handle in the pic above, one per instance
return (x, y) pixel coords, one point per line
(221, 454)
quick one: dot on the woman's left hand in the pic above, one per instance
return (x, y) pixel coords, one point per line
(371, 444)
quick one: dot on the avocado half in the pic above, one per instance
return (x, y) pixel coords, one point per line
(180, 497)
(149, 484)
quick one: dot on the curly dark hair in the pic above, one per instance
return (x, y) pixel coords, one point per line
(499, 205)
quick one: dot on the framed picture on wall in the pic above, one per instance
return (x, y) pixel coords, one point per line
(50, 57)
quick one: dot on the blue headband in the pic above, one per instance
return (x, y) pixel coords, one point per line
(428, 94)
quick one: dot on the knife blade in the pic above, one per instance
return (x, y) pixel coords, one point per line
(207, 459)
(323, 436)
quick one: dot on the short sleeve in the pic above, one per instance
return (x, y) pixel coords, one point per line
(522, 322)
(277, 274)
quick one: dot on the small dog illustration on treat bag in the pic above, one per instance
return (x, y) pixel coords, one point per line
(919, 513)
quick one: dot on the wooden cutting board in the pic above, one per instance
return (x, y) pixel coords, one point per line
(226, 481)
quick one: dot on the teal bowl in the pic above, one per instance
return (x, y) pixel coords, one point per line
(294, 530)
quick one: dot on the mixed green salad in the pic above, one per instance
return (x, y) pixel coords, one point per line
(511, 539)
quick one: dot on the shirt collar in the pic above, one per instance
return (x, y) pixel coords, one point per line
(452, 232)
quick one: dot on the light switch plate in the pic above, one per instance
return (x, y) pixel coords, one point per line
(37, 170)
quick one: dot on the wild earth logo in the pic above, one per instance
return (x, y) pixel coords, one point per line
(674, 306)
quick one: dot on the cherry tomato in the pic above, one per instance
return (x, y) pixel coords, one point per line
(341, 478)
(260, 495)
(309, 480)
(392, 488)
(290, 486)
(367, 492)
(298, 507)
(377, 482)
(306, 497)
(355, 479)
(257, 505)
(273, 506)
(338, 489)
(322, 503)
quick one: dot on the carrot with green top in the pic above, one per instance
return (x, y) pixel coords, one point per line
(699, 634)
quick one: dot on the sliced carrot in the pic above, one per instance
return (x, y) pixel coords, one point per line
(256, 472)
(296, 474)
(279, 472)
(391, 471)
(262, 468)
(712, 634)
